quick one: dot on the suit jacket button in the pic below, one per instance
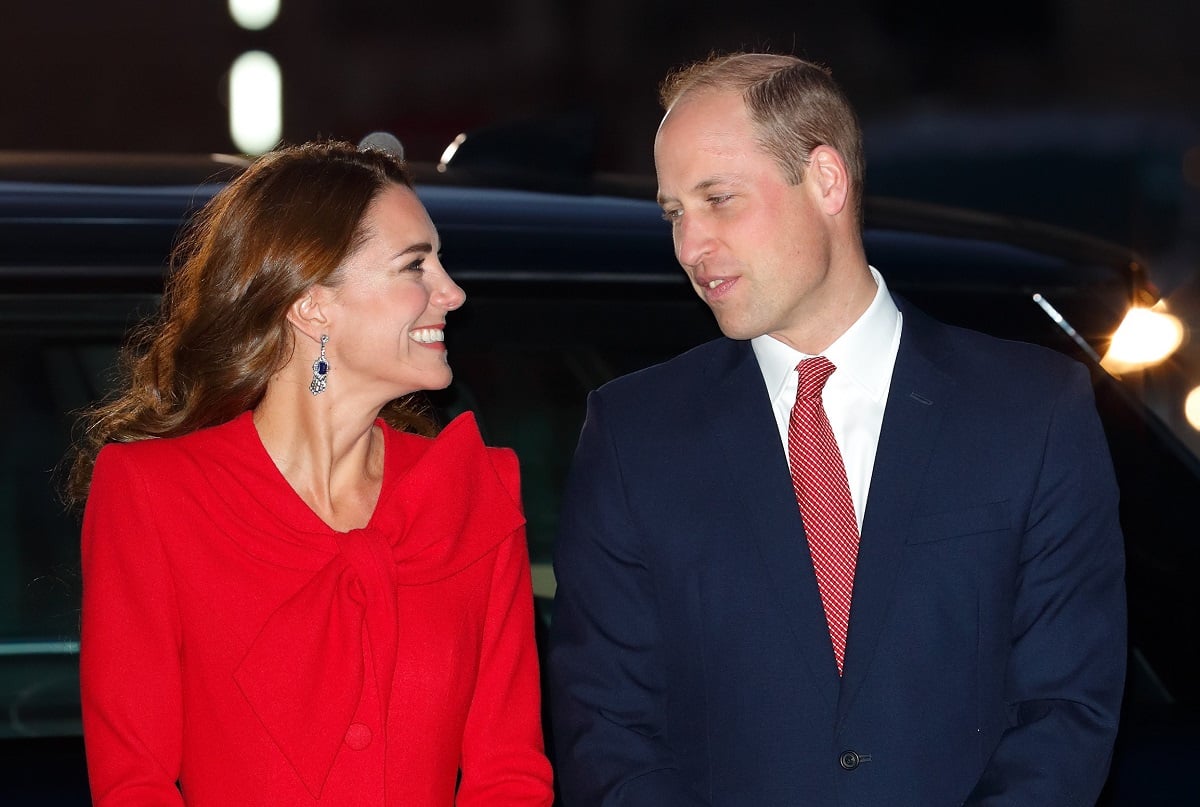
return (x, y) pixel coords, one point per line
(849, 760)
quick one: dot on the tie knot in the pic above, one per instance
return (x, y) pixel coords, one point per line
(813, 373)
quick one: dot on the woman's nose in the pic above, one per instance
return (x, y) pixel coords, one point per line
(450, 295)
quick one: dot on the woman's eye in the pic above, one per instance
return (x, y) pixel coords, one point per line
(416, 266)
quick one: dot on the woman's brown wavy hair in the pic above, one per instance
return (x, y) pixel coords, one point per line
(284, 225)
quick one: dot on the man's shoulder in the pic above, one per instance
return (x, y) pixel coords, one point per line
(997, 355)
(986, 353)
(685, 370)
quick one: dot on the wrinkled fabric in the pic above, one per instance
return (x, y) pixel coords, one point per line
(358, 667)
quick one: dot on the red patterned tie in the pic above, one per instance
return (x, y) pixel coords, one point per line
(819, 477)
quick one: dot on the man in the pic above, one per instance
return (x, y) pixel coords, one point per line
(927, 611)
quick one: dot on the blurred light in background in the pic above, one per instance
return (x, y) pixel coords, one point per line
(255, 102)
(450, 151)
(1146, 336)
(254, 15)
(1191, 408)
(1191, 166)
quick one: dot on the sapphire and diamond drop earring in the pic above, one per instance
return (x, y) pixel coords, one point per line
(320, 369)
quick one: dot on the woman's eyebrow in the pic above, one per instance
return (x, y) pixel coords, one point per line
(422, 246)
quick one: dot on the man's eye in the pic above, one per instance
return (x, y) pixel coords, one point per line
(719, 199)
(672, 215)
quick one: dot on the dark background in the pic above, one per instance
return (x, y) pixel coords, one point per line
(1078, 112)
(1083, 113)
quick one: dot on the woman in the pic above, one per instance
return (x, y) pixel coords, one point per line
(290, 598)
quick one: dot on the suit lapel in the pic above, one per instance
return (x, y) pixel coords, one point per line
(747, 439)
(917, 401)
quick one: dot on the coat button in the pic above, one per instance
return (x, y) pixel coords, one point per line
(358, 736)
(849, 760)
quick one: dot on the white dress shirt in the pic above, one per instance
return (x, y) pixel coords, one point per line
(856, 393)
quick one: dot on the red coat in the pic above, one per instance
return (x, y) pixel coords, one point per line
(234, 643)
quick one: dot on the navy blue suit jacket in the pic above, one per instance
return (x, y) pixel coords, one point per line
(690, 661)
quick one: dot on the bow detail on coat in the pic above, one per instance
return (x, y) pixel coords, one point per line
(304, 673)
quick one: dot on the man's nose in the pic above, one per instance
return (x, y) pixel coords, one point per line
(693, 241)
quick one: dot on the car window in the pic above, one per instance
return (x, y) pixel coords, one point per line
(525, 356)
(60, 355)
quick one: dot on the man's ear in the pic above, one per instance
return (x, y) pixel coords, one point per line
(827, 172)
(306, 314)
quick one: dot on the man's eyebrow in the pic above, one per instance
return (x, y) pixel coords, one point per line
(708, 184)
(699, 188)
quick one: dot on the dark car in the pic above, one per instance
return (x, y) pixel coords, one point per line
(566, 289)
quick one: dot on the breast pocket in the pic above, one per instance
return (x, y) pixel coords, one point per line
(961, 522)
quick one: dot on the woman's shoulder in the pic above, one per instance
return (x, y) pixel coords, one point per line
(166, 453)
(451, 497)
(461, 435)
(460, 444)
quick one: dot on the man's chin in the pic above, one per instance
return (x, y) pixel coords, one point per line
(735, 330)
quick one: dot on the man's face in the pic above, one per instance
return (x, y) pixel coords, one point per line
(756, 248)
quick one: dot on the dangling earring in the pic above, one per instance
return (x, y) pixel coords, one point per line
(320, 369)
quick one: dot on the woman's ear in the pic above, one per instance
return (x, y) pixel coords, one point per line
(827, 171)
(306, 314)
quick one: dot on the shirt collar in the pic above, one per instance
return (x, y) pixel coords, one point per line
(859, 353)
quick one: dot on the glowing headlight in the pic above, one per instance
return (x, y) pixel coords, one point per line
(1145, 336)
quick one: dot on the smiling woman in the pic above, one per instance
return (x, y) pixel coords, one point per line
(385, 308)
(289, 596)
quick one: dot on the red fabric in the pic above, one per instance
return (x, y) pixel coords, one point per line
(819, 478)
(234, 643)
